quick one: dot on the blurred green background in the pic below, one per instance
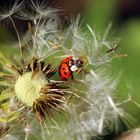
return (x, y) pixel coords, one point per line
(125, 18)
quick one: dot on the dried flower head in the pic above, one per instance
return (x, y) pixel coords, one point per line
(30, 88)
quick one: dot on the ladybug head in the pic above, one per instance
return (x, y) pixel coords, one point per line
(75, 64)
(79, 63)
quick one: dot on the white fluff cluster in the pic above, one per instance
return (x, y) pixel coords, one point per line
(96, 113)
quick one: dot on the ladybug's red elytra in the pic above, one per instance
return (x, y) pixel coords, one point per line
(67, 66)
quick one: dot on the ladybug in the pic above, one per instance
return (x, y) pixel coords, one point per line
(67, 66)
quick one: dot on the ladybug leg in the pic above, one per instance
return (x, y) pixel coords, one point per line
(82, 70)
(79, 71)
(72, 77)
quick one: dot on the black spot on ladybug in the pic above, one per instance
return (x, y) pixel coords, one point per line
(65, 73)
(67, 63)
(63, 68)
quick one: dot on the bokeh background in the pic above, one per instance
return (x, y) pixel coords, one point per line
(124, 15)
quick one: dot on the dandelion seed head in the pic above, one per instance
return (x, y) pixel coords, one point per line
(35, 10)
(8, 11)
(100, 114)
(77, 38)
(47, 37)
(41, 7)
